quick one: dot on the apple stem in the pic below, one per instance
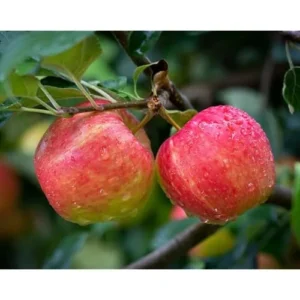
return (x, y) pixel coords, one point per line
(163, 113)
(149, 115)
(47, 94)
(180, 101)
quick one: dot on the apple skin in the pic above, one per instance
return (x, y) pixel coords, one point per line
(218, 166)
(93, 169)
(9, 187)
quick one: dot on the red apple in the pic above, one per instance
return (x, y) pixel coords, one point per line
(92, 168)
(9, 187)
(218, 165)
(267, 261)
(177, 213)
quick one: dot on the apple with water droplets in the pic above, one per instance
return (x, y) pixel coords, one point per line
(9, 187)
(218, 166)
(92, 168)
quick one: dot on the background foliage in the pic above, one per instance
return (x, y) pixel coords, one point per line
(249, 70)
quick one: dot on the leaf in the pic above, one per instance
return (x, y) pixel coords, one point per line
(76, 59)
(137, 72)
(37, 44)
(170, 230)
(116, 84)
(100, 229)
(243, 256)
(295, 213)
(182, 117)
(140, 42)
(18, 86)
(291, 89)
(246, 99)
(4, 116)
(271, 126)
(6, 37)
(97, 254)
(59, 94)
(62, 256)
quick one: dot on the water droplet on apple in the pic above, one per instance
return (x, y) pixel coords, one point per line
(205, 175)
(135, 211)
(238, 122)
(126, 197)
(104, 154)
(250, 187)
(124, 209)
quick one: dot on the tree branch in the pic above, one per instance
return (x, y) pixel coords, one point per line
(103, 107)
(176, 97)
(189, 238)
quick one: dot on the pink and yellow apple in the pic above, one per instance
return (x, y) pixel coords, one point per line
(218, 166)
(92, 168)
(9, 187)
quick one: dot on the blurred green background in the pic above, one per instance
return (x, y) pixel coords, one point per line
(244, 69)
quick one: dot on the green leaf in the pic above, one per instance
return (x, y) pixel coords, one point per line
(291, 89)
(62, 256)
(295, 213)
(246, 99)
(61, 93)
(141, 42)
(116, 84)
(4, 116)
(97, 254)
(170, 230)
(76, 59)
(6, 37)
(18, 86)
(271, 126)
(182, 117)
(138, 71)
(37, 44)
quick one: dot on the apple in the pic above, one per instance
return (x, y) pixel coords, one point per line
(9, 187)
(92, 168)
(32, 136)
(218, 166)
(217, 244)
(14, 223)
(177, 213)
(267, 261)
